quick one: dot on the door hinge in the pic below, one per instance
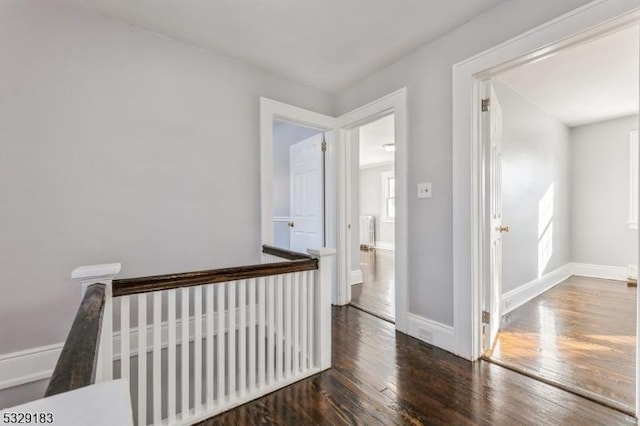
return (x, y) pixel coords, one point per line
(324, 146)
(486, 317)
(486, 104)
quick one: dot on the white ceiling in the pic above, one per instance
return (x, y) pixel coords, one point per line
(328, 44)
(372, 137)
(589, 83)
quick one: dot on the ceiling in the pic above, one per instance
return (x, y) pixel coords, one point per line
(372, 137)
(327, 44)
(589, 83)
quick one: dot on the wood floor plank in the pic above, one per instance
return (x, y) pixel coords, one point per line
(377, 292)
(581, 334)
(380, 377)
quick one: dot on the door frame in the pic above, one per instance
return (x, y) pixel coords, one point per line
(591, 21)
(271, 110)
(393, 103)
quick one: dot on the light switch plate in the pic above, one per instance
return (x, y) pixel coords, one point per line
(424, 190)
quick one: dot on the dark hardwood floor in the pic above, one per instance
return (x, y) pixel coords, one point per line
(580, 334)
(380, 377)
(376, 294)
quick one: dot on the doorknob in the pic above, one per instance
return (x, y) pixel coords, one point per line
(290, 224)
(503, 228)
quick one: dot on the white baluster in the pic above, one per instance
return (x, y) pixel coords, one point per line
(157, 353)
(271, 322)
(220, 287)
(262, 325)
(296, 322)
(197, 348)
(252, 335)
(231, 344)
(304, 316)
(142, 359)
(279, 327)
(171, 356)
(125, 350)
(211, 333)
(184, 346)
(287, 326)
(310, 317)
(242, 338)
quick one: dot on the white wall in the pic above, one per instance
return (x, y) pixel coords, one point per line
(371, 201)
(284, 135)
(427, 75)
(119, 146)
(600, 234)
(536, 185)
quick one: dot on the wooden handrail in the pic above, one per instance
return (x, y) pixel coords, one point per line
(128, 286)
(284, 253)
(76, 367)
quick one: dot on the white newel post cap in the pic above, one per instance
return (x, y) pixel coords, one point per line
(322, 251)
(92, 274)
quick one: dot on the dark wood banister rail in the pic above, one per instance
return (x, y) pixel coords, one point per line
(76, 367)
(298, 262)
(284, 253)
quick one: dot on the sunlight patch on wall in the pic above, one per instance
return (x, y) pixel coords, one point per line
(545, 229)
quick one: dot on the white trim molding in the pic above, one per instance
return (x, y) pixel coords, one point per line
(517, 297)
(520, 295)
(393, 103)
(356, 277)
(619, 273)
(374, 165)
(285, 219)
(31, 365)
(383, 245)
(432, 332)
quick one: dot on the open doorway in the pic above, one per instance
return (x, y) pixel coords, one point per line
(373, 191)
(562, 158)
(298, 186)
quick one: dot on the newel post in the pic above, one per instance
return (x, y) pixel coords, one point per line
(103, 274)
(323, 305)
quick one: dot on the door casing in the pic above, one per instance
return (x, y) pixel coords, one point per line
(338, 207)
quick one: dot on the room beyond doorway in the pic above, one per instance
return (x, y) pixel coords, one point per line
(376, 292)
(561, 337)
(373, 257)
(567, 195)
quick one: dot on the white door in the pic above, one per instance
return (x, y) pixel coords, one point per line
(492, 127)
(306, 194)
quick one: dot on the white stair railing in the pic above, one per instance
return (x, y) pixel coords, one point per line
(194, 345)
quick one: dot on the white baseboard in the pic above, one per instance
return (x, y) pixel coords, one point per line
(27, 366)
(619, 273)
(432, 332)
(356, 277)
(521, 295)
